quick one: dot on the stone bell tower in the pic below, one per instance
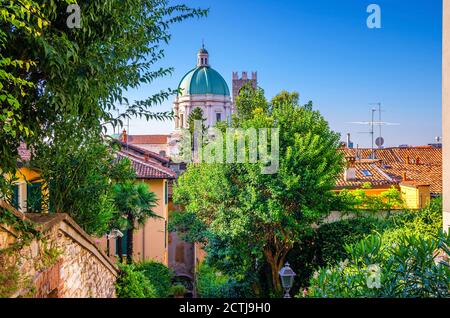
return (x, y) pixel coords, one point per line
(239, 82)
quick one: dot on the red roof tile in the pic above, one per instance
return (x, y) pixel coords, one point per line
(144, 152)
(147, 169)
(423, 165)
(147, 139)
(377, 177)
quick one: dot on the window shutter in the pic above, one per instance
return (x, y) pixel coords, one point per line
(166, 192)
(34, 197)
(124, 244)
(15, 198)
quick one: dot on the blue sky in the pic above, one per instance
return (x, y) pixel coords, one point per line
(323, 50)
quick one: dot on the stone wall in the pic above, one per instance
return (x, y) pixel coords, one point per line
(62, 262)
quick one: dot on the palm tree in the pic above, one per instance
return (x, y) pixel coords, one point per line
(134, 202)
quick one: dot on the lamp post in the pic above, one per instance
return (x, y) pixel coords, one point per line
(287, 276)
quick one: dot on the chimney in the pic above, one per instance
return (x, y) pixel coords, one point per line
(124, 136)
(404, 178)
(350, 170)
(407, 160)
(418, 160)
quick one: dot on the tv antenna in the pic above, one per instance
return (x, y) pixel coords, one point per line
(380, 140)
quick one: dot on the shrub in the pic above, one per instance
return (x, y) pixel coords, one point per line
(411, 267)
(178, 290)
(158, 275)
(132, 283)
(332, 237)
(325, 246)
(425, 223)
(212, 283)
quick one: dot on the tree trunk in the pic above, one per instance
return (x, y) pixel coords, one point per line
(130, 233)
(276, 262)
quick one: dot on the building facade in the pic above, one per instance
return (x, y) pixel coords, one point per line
(446, 112)
(150, 241)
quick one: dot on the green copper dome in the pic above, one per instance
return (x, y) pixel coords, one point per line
(203, 80)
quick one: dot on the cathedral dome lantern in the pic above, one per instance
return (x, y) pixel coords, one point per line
(202, 57)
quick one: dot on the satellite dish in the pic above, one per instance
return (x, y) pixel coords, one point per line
(379, 141)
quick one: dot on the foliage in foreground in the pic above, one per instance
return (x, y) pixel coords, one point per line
(132, 283)
(79, 169)
(412, 267)
(49, 71)
(159, 275)
(212, 283)
(325, 247)
(143, 280)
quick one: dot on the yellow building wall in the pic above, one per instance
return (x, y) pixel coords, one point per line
(415, 197)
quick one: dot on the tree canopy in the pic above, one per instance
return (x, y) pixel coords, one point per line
(265, 214)
(49, 71)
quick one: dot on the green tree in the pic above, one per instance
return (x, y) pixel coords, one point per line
(49, 71)
(248, 100)
(268, 213)
(286, 98)
(79, 167)
(134, 201)
(196, 114)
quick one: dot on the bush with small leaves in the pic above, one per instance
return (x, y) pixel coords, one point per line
(412, 266)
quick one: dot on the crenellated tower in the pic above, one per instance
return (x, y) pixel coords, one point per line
(239, 82)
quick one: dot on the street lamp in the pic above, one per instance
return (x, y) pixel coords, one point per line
(115, 233)
(287, 276)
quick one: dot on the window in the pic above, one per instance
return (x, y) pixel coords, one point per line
(181, 120)
(218, 117)
(34, 197)
(366, 173)
(166, 192)
(15, 198)
(162, 153)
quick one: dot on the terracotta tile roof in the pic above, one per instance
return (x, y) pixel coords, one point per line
(144, 152)
(421, 174)
(426, 154)
(147, 169)
(374, 175)
(423, 165)
(148, 139)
